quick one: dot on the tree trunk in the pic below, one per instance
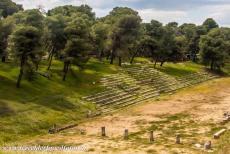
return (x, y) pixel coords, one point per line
(132, 59)
(162, 63)
(19, 78)
(119, 61)
(66, 68)
(100, 56)
(64, 71)
(21, 72)
(194, 58)
(212, 64)
(37, 66)
(49, 57)
(3, 59)
(50, 61)
(107, 57)
(155, 63)
(51, 52)
(112, 57)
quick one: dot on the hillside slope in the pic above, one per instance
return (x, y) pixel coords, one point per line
(194, 113)
(41, 103)
(141, 82)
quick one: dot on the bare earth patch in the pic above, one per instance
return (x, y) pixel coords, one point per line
(194, 113)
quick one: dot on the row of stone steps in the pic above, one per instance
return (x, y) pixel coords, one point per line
(128, 103)
(138, 84)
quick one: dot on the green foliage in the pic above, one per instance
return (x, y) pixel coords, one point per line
(69, 10)
(214, 48)
(167, 45)
(101, 38)
(6, 28)
(189, 32)
(163, 42)
(173, 26)
(55, 35)
(192, 34)
(78, 44)
(40, 103)
(179, 51)
(126, 31)
(154, 29)
(8, 7)
(117, 13)
(25, 40)
(149, 46)
(152, 38)
(55, 31)
(25, 43)
(78, 38)
(210, 24)
(70, 33)
(29, 17)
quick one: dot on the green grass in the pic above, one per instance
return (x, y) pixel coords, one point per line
(223, 146)
(180, 69)
(40, 103)
(141, 60)
(226, 69)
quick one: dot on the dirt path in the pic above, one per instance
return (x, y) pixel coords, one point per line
(192, 112)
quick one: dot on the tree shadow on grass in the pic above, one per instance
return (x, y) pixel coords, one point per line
(57, 102)
(5, 110)
(30, 92)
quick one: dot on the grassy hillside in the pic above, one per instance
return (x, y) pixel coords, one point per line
(40, 103)
(180, 69)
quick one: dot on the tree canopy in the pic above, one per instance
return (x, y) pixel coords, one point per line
(78, 44)
(214, 48)
(8, 7)
(25, 43)
(210, 23)
(73, 34)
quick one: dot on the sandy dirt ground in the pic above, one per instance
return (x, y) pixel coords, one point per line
(194, 113)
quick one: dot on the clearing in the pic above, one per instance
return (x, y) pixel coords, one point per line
(193, 112)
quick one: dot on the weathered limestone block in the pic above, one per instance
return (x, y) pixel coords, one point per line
(219, 133)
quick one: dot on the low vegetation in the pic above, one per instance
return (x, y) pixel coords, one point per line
(55, 58)
(40, 103)
(181, 69)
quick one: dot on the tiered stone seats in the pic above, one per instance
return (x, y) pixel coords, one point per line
(138, 83)
(195, 78)
(149, 76)
(100, 95)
